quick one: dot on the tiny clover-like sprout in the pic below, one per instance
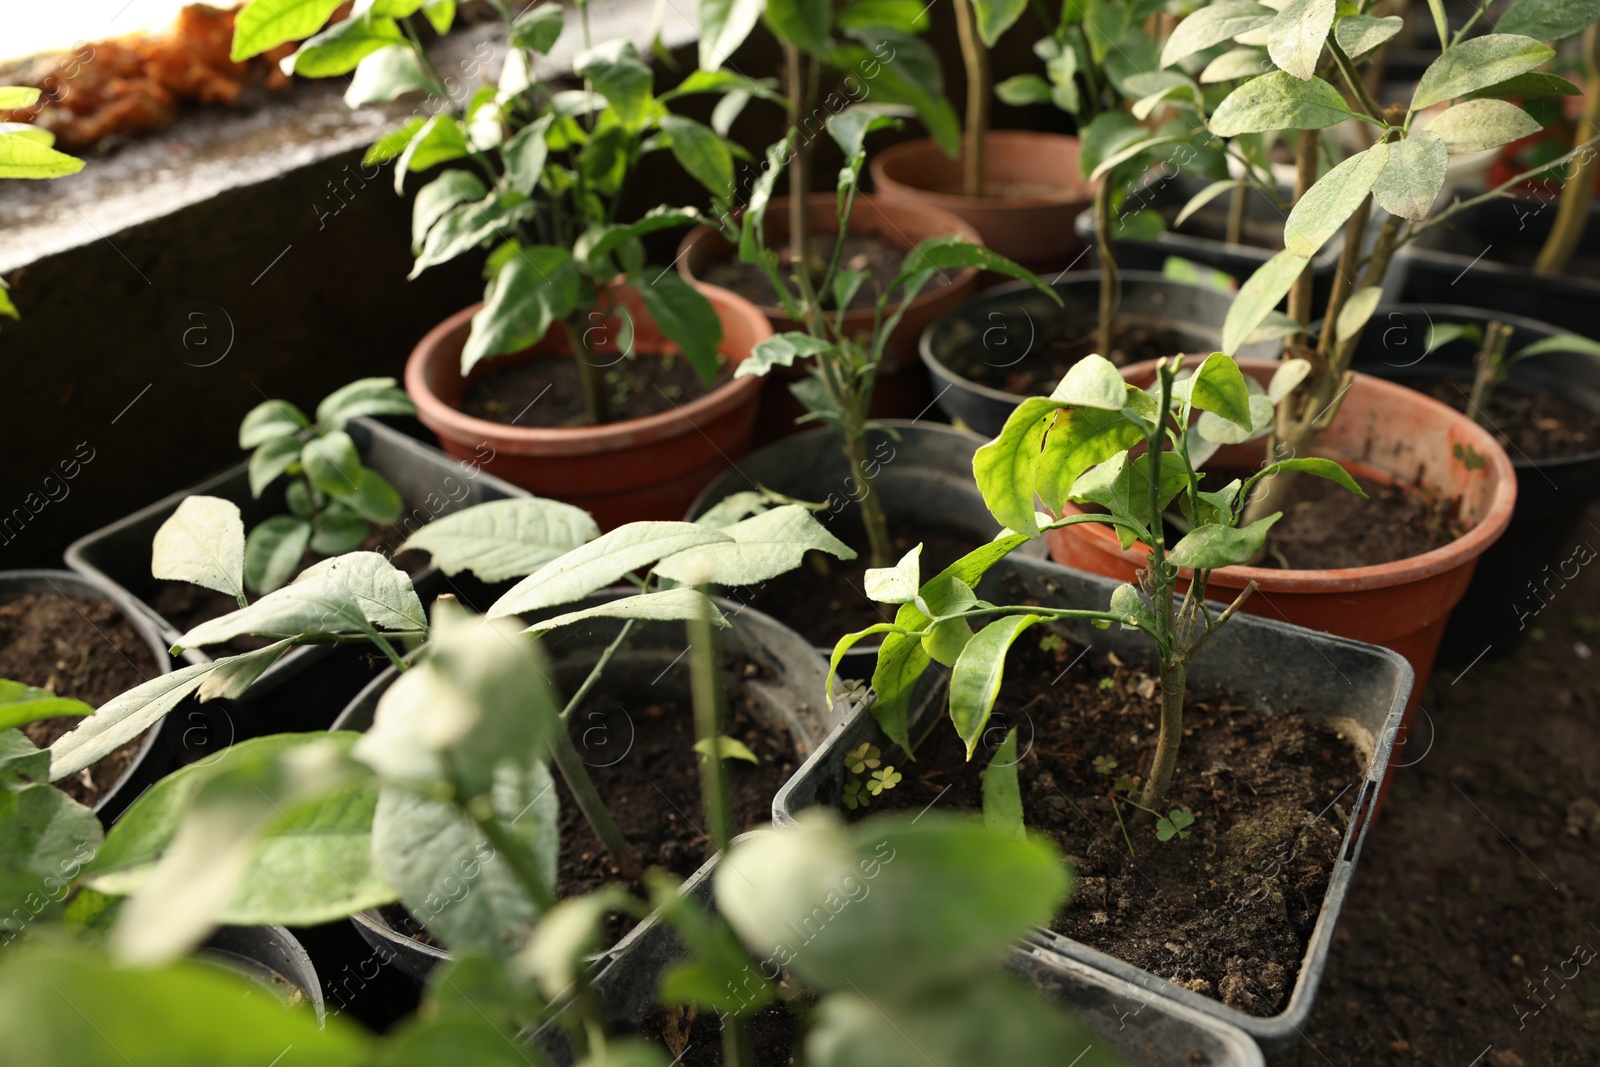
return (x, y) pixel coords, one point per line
(1105, 764)
(855, 795)
(1052, 643)
(1174, 825)
(1107, 683)
(1124, 784)
(887, 778)
(860, 760)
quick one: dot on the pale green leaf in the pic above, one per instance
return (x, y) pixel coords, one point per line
(504, 539)
(1259, 295)
(203, 543)
(1330, 202)
(602, 561)
(1476, 63)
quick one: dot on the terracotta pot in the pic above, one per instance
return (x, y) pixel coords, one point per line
(902, 389)
(1040, 191)
(649, 468)
(1385, 432)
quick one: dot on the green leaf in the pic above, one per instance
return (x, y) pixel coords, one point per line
(1413, 176)
(1021, 89)
(1234, 64)
(1290, 373)
(557, 956)
(1329, 203)
(724, 25)
(1205, 196)
(1321, 468)
(666, 605)
(342, 46)
(1213, 24)
(701, 152)
(1296, 35)
(332, 463)
(1130, 152)
(995, 17)
(1219, 386)
(538, 28)
(23, 156)
(65, 1006)
(726, 748)
(762, 547)
(525, 153)
(902, 16)
(122, 718)
(601, 562)
(393, 143)
(1360, 34)
(1002, 795)
(685, 316)
(1477, 63)
(1122, 486)
(1222, 431)
(337, 530)
(302, 607)
(438, 140)
(17, 97)
(466, 226)
(1356, 311)
(1478, 125)
(270, 419)
(383, 592)
(803, 23)
(272, 552)
(1092, 382)
(1562, 343)
(911, 77)
(1260, 293)
(849, 128)
(265, 24)
(1279, 101)
(897, 584)
(1207, 547)
(618, 74)
(901, 662)
(1549, 20)
(46, 837)
(386, 75)
(1126, 601)
(361, 398)
(1442, 333)
(504, 539)
(947, 898)
(954, 252)
(537, 287)
(373, 498)
(270, 459)
(1529, 86)
(202, 542)
(975, 680)
(21, 704)
(231, 677)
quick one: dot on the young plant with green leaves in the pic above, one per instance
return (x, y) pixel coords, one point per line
(1096, 440)
(1492, 365)
(537, 176)
(1402, 171)
(26, 152)
(844, 367)
(334, 500)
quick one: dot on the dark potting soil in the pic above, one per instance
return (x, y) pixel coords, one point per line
(825, 598)
(638, 747)
(80, 648)
(547, 391)
(1228, 910)
(1469, 935)
(1531, 425)
(879, 258)
(1061, 343)
(694, 1038)
(1325, 527)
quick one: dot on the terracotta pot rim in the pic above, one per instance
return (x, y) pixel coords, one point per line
(1078, 192)
(446, 419)
(1374, 576)
(950, 223)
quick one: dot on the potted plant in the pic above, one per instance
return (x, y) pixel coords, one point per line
(640, 411)
(27, 152)
(1021, 190)
(1445, 472)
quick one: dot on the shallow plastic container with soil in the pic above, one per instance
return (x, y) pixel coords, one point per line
(1144, 1029)
(1270, 668)
(784, 698)
(309, 685)
(989, 353)
(1513, 577)
(161, 747)
(271, 957)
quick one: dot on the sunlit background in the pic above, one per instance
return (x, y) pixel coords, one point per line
(30, 26)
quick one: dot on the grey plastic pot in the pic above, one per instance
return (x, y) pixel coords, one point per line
(272, 958)
(163, 742)
(1142, 1028)
(433, 483)
(1268, 665)
(790, 696)
(1005, 326)
(1552, 494)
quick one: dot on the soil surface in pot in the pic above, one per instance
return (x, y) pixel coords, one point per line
(1327, 527)
(881, 260)
(694, 1038)
(1465, 936)
(1228, 910)
(546, 392)
(79, 648)
(1060, 344)
(638, 747)
(1531, 425)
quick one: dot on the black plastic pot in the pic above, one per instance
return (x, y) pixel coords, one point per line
(1001, 329)
(164, 742)
(790, 694)
(1483, 258)
(310, 685)
(1140, 1027)
(1201, 238)
(1507, 590)
(269, 956)
(1267, 665)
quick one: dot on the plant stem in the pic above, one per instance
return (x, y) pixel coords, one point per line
(1578, 193)
(706, 691)
(1237, 201)
(1488, 370)
(1510, 183)
(1110, 277)
(1358, 88)
(590, 373)
(388, 650)
(597, 669)
(976, 59)
(1305, 174)
(1343, 279)
(570, 765)
(800, 162)
(881, 549)
(480, 810)
(1174, 678)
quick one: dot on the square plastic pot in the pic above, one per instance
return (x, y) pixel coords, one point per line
(1271, 666)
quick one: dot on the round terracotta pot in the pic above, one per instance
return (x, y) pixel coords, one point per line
(1039, 191)
(649, 468)
(1385, 432)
